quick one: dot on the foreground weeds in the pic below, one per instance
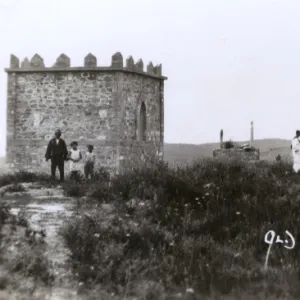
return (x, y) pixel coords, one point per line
(22, 253)
(198, 229)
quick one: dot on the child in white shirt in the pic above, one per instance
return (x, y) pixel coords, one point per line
(74, 156)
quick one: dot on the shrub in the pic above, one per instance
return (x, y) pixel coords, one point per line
(76, 176)
(33, 262)
(75, 189)
(228, 144)
(101, 175)
(100, 191)
(27, 255)
(202, 226)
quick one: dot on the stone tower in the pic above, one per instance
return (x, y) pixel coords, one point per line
(118, 109)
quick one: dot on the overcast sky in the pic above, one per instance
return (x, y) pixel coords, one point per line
(227, 61)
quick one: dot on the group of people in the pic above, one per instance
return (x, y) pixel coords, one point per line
(58, 153)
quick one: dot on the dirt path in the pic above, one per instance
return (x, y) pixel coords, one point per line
(48, 209)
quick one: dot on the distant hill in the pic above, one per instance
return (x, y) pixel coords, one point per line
(2, 161)
(186, 153)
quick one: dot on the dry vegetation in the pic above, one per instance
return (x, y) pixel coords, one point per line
(198, 228)
(23, 263)
(195, 231)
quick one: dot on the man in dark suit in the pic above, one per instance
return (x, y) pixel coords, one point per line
(57, 152)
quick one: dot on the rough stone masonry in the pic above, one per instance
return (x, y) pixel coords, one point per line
(118, 109)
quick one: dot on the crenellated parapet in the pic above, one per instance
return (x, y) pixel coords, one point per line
(130, 63)
(90, 61)
(139, 66)
(25, 63)
(14, 62)
(37, 62)
(63, 63)
(117, 60)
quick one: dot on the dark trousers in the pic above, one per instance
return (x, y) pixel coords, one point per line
(57, 162)
(89, 169)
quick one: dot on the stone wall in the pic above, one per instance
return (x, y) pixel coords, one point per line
(90, 104)
(237, 154)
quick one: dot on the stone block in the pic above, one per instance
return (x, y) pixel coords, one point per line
(14, 61)
(63, 61)
(150, 68)
(103, 113)
(117, 60)
(25, 64)
(158, 70)
(90, 61)
(130, 63)
(37, 62)
(139, 66)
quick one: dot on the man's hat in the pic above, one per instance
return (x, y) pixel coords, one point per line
(58, 130)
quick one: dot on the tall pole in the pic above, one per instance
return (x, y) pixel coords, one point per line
(251, 134)
(221, 138)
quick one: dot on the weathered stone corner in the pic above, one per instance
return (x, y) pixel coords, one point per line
(130, 63)
(139, 66)
(25, 63)
(117, 60)
(90, 61)
(37, 62)
(63, 61)
(158, 70)
(150, 68)
(14, 61)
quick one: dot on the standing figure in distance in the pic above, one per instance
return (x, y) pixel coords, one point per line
(90, 159)
(74, 156)
(296, 151)
(57, 152)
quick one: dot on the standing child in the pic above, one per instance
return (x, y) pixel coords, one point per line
(90, 159)
(74, 157)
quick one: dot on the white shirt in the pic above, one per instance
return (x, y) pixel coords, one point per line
(296, 153)
(295, 143)
(75, 154)
(90, 157)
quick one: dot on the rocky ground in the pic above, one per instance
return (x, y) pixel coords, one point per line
(46, 209)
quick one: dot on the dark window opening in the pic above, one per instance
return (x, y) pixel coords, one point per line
(142, 123)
